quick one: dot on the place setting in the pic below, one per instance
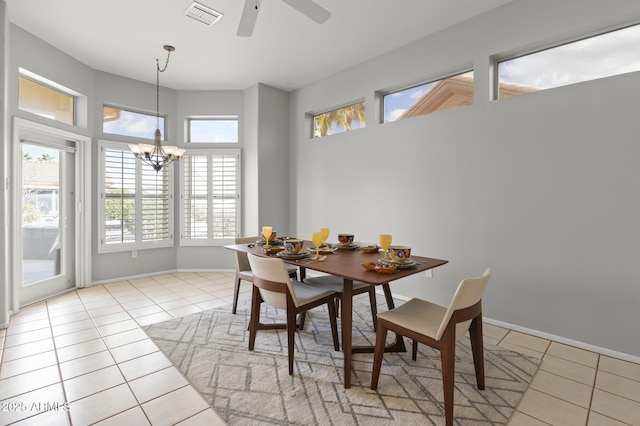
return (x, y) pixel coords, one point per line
(395, 257)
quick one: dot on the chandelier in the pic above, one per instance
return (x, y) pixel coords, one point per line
(157, 155)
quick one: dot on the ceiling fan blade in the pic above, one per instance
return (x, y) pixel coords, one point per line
(310, 9)
(248, 18)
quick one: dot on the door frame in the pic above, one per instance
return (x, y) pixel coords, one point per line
(82, 208)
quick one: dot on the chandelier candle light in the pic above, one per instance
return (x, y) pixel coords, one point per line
(156, 155)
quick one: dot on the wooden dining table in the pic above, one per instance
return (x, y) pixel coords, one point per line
(347, 264)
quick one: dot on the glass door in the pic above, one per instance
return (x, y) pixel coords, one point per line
(48, 219)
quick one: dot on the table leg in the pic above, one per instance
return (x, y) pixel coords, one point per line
(303, 273)
(398, 344)
(347, 323)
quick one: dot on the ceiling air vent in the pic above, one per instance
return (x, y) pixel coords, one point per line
(203, 13)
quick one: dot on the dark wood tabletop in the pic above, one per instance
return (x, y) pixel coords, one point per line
(348, 265)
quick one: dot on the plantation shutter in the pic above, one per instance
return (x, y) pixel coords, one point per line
(224, 189)
(155, 204)
(195, 197)
(119, 196)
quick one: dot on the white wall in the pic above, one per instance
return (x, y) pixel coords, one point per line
(541, 187)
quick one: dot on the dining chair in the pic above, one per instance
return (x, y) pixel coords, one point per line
(243, 269)
(439, 327)
(273, 286)
(337, 284)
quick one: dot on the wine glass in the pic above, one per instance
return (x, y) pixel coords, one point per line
(266, 233)
(385, 242)
(316, 239)
(325, 235)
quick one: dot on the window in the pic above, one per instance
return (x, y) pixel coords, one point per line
(45, 101)
(129, 123)
(222, 129)
(210, 197)
(604, 55)
(447, 93)
(339, 120)
(135, 202)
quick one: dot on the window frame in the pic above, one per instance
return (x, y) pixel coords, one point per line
(163, 122)
(496, 60)
(382, 94)
(54, 87)
(210, 240)
(190, 119)
(314, 114)
(138, 242)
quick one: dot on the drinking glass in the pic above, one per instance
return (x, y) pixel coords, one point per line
(385, 242)
(325, 235)
(266, 233)
(316, 239)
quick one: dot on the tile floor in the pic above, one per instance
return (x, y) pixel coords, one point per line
(82, 359)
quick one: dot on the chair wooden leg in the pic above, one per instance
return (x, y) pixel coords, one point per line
(236, 291)
(291, 332)
(448, 357)
(414, 350)
(303, 316)
(374, 307)
(334, 323)
(475, 332)
(254, 320)
(381, 337)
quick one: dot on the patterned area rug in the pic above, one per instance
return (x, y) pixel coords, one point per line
(249, 388)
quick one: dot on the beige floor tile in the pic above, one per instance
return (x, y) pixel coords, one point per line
(66, 310)
(175, 303)
(144, 365)
(157, 384)
(133, 350)
(153, 318)
(551, 410)
(29, 363)
(27, 337)
(111, 318)
(200, 298)
(597, 419)
(211, 304)
(102, 405)
(207, 417)
(571, 370)
(560, 387)
(91, 383)
(28, 349)
(521, 419)
(28, 404)
(493, 331)
(81, 349)
(527, 341)
(134, 416)
(147, 310)
(133, 298)
(86, 364)
(106, 310)
(66, 319)
(164, 297)
(124, 338)
(77, 337)
(28, 382)
(21, 327)
(140, 303)
(616, 407)
(619, 367)
(174, 407)
(57, 416)
(184, 310)
(573, 354)
(26, 315)
(618, 385)
(118, 327)
(102, 303)
(72, 327)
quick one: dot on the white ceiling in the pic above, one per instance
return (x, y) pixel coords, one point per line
(287, 49)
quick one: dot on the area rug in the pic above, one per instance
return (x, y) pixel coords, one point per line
(253, 387)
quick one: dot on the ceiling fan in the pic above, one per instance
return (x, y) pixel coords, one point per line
(306, 7)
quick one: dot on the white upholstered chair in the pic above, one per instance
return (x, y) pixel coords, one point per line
(272, 285)
(439, 327)
(243, 269)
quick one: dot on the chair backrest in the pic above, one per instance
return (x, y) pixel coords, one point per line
(242, 261)
(273, 270)
(469, 293)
